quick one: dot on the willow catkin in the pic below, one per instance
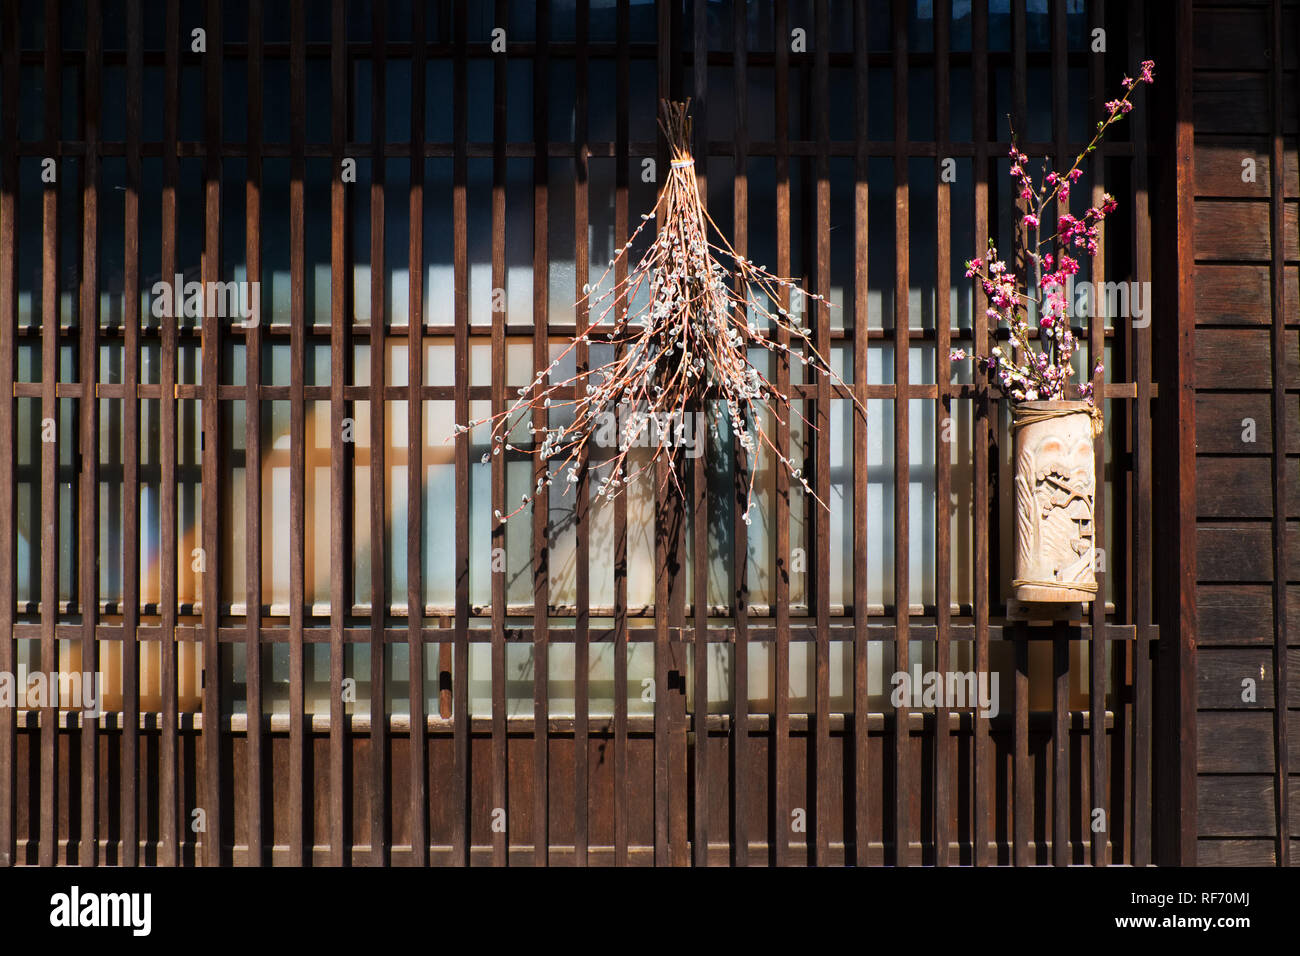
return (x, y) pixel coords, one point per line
(683, 349)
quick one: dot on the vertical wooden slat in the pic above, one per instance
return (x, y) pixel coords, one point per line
(662, 531)
(541, 499)
(1024, 808)
(582, 501)
(129, 768)
(415, 444)
(500, 737)
(340, 459)
(460, 268)
(1279, 342)
(1142, 468)
(49, 450)
(672, 72)
(781, 517)
(1176, 793)
(700, 717)
(904, 795)
(298, 732)
(700, 488)
(8, 331)
(982, 758)
(1098, 786)
(943, 454)
(1060, 640)
(210, 792)
(1127, 557)
(822, 436)
(88, 484)
(622, 160)
(378, 444)
(740, 556)
(1060, 811)
(168, 854)
(862, 823)
(255, 740)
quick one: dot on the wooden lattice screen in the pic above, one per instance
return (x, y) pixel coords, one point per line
(858, 784)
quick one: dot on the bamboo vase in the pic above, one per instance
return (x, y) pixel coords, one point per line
(1055, 535)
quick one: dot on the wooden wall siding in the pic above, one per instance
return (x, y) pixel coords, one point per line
(1247, 241)
(907, 787)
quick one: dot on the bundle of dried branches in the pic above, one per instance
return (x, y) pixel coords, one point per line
(684, 350)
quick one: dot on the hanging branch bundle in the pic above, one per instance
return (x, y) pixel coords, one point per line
(686, 346)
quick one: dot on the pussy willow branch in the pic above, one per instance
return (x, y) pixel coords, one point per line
(687, 346)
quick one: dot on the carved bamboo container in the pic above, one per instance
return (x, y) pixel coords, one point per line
(1055, 481)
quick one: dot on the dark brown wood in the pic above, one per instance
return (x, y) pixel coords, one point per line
(1239, 294)
(541, 498)
(1098, 785)
(88, 425)
(1229, 358)
(1023, 809)
(700, 497)
(460, 267)
(664, 541)
(906, 797)
(129, 767)
(622, 160)
(1232, 229)
(1220, 424)
(378, 444)
(740, 748)
(500, 739)
(671, 64)
(945, 428)
(49, 418)
(1061, 161)
(168, 849)
(862, 821)
(825, 781)
(1142, 480)
(300, 841)
(982, 756)
(782, 801)
(209, 838)
(9, 77)
(341, 459)
(1280, 335)
(255, 737)
(1061, 855)
(418, 771)
(582, 491)
(1176, 370)
(659, 687)
(908, 791)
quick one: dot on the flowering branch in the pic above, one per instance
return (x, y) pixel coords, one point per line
(688, 345)
(1044, 373)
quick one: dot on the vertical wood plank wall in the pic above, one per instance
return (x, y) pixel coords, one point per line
(1247, 248)
(907, 786)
